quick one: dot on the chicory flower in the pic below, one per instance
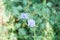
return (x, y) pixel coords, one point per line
(24, 15)
(31, 22)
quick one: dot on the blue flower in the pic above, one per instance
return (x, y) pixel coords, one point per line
(24, 15)
(31, 22)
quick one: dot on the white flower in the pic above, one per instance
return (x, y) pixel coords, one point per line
(24, 15)
(31, 22)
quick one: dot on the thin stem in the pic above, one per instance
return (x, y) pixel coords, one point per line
(44, 3)
(34, 32)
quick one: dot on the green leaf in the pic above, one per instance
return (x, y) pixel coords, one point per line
(17, 25)
(21, 32)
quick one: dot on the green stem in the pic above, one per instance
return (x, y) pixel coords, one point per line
(44, 3)
(34, 32)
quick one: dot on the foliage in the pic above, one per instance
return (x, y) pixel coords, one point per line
(33, 19)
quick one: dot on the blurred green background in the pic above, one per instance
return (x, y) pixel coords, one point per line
(30, 20)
